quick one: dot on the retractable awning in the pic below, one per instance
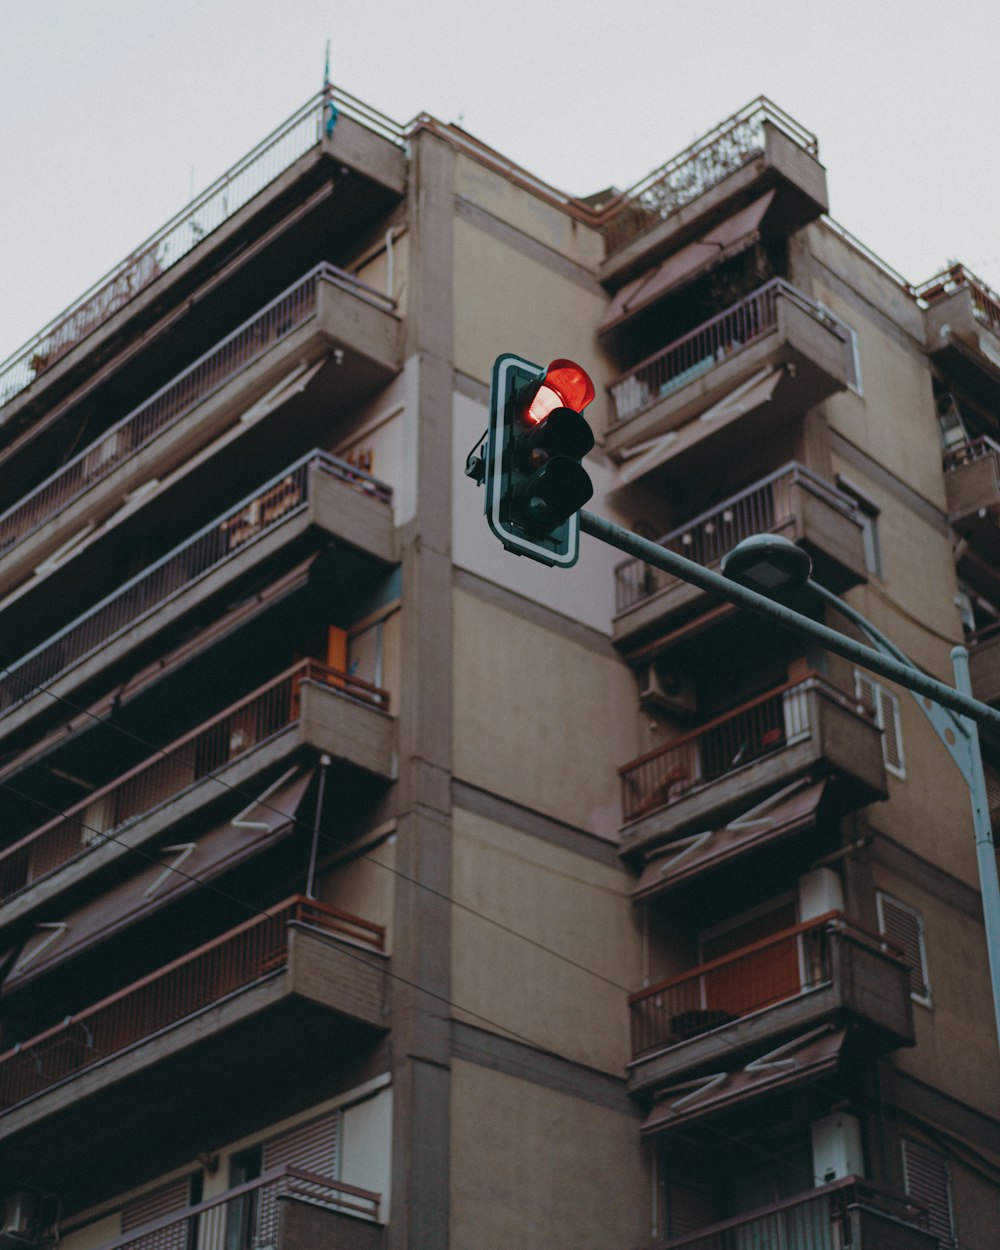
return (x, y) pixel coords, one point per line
(652, 452)
(729, 238)
(168, 872)
(791, 809)
(793, 1063)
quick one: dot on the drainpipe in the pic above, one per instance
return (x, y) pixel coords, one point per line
(324, 764)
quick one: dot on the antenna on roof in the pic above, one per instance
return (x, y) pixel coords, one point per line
(329, 108)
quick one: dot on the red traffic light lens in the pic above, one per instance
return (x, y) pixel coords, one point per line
(565, 385)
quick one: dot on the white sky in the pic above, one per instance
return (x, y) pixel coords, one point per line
(114, 110)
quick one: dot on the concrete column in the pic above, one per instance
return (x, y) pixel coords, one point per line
(420, 1019)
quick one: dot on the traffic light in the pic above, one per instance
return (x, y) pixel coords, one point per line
(535, 483)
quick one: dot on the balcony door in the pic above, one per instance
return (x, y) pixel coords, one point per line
(241, 1214)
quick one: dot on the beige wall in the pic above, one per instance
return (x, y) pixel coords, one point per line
(543, 720)
(547, 902)
(531, 1168)
(956, 1043)
(365, 886)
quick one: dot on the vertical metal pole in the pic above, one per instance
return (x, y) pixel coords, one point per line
(989, 884)
(324, 764)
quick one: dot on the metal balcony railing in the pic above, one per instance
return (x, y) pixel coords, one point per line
(770, 971)
(817, 1219)
(256, 949)
(169, 773)
(214, 206)
(764, 507)
(707, 345)
(247, 1215)
(767, 972)
(772, 721)
(168, 405)
(985, 301)
(703, 164)
(216, 543)
(966, 453)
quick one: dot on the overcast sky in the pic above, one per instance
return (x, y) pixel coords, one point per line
(113, 111)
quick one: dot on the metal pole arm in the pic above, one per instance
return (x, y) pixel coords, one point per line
(886, 666)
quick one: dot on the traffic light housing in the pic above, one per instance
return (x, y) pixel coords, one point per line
(537, 437)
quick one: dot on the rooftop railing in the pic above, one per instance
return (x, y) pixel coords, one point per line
(707, 345)
(985, 301)
(975, 449)
(703, 164)
(251, 1208)
(168, 405)
(183, 232)
(237, 959)
(210, 548)
(769, 723)
(818, 1219)
(760, 509)
(762, 974)
(163, 777)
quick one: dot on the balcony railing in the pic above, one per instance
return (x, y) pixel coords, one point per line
(216, 204)
(248, 953)
(967, 453)
(764, 507)
(703, 164)
(767, 972)
(169, 773)
(193, 386)
(985, 301)
(770, 971)
(757, 728)
(827, 1218)
(247, 1215)
(215, 544)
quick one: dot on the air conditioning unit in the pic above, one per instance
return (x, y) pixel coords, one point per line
(665, 692)
(29, 1219)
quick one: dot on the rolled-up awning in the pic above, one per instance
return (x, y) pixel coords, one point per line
(652, 452)
(803, 1059)
(791, 809)
(729, 238)
(168, 871)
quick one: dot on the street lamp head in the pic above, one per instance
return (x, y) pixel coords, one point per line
(767, 563)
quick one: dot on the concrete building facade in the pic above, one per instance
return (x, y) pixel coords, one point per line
(364, 885)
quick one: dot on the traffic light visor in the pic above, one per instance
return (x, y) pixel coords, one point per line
(565, 385)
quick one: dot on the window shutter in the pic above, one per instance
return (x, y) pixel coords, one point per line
(312, 1147)
(883, 707)
(925, 1179)
(155, 1206)
(905, 929)
(892, 739)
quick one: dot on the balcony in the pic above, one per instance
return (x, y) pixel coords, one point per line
(752, 999)
(849, 1212)
(731, 380)
(318, 492)
(241, 1013)
(962, 323)
(310, 706)
(972, 482)
(984, 663)
(289, 163)
(792, 501)
(288, 1208)
(804, 727)
(759, 147)
(327, 309)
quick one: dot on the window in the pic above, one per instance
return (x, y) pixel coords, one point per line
(904, 927)
(926, 1181)
(883, 707)
(867, 513)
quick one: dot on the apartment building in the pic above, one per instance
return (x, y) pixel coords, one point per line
(364, 885)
